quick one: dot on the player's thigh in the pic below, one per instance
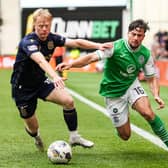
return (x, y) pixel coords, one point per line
(139, 101)
(124, 131)
(26, 101)
(48, 92)
(61, 97)
(142, 105)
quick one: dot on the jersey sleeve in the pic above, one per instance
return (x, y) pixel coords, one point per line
(30, 46)
(59, 40)
(107, 53)
(149, 68)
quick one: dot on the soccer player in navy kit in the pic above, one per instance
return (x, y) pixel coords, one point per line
(30, 83)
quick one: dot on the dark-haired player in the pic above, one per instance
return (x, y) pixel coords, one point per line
(120, 85)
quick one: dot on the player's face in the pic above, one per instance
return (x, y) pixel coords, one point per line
(135, 37)
(42, 27)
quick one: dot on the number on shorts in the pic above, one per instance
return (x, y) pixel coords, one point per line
(139, 90)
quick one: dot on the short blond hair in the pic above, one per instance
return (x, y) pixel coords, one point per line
(43, 13)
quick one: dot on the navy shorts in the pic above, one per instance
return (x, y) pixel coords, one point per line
(26, 98)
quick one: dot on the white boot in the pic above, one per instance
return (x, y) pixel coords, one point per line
(76, 139)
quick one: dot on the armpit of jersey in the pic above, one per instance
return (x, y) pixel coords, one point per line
(107, 53)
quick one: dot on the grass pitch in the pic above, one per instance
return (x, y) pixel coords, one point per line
(17, 149)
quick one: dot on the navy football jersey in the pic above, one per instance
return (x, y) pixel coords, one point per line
(26, 72)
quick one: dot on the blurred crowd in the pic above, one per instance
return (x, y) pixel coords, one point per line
(159, 46)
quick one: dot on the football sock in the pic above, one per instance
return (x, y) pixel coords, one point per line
(159, 129)
(73, 133)
(32, 134)
(70, 117)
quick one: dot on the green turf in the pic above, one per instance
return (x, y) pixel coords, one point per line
(18, 151)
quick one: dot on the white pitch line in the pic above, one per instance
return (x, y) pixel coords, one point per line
(146, 135)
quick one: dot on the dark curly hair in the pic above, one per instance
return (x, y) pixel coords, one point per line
(139, 23)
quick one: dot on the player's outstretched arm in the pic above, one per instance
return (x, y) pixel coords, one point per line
(80, 62)
(41, 61)
(86, 44)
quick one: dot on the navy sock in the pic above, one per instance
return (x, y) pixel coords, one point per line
(31, 134)
(70, 117)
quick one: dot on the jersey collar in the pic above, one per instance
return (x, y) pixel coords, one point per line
(129, 48)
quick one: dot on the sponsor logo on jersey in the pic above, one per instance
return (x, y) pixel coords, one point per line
(50, 45)
(31, 40)
(32, 48)
(122, 55)
(123, 74)
(131, 68)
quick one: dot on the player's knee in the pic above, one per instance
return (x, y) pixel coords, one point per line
(27, 110)
(68, 103)
(148, 115)
(125, 137)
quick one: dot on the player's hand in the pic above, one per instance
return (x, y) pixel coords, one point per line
(58, 82)
(63, 66)
(160, 102)
(106, 45)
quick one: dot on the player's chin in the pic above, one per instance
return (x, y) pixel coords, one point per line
(135, 45)
(44, 36)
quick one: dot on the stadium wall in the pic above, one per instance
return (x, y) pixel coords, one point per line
(155, 12)
(10, 28)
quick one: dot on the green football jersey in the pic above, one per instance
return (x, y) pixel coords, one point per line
(122, 68)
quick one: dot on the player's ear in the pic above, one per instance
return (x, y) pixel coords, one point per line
(33, 28)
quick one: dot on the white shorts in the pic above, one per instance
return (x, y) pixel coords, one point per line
(118, 108)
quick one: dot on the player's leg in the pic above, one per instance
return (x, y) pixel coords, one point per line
(27, 109)
(142, 105)
(32, 128)
(63, 98)
(124, 131)
(27, 112)
(140, 102)
(118, 111)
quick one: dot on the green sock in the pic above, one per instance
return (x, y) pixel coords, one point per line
(159, 129)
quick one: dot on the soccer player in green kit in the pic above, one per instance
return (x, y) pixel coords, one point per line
(120, 85)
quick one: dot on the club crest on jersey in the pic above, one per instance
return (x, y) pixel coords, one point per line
(141, 59)
(115, 110)
(50, 45)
